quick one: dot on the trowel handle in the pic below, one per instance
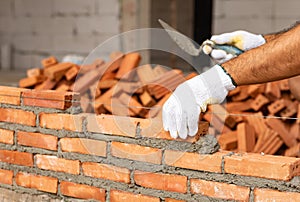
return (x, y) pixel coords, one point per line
(228, 49)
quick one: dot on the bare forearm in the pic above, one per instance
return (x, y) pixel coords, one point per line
(277, 59)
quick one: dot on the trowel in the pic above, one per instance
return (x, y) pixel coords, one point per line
(189, 46)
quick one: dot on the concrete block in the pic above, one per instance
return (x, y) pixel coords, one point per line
(218, 9)
(74, 44)
(6, 8)
(283, 23)
(53, 26)
(6, 25)
(33, 8)
(98, 25)
(74, 7)
(22, 61)
(259, 26)
(287, 9)
(105, 7)
(248, 8)
(33, 43)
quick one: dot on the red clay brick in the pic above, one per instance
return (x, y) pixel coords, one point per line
(42, 183)
(106, 171)
(261, 195)
(152, 128)
(11, 95)
(48, 62)
(168, 182)
(50, 99)
(122, 196)
(173, 200)
(31, 81)
(129, 62)
(136, 152)
(228, 141)
(84, 146)
(34, 72)
(6, 176)
(37, 140)
(72, 73)
(220, 190)
(245, 137)
(113, 125)
(57, 164)
(195, 161)
(6, 136)
(56, 72)
(278, 126)
(17, 116)
(82, 191)
(15, 157)
(267, 166)
(61, 121)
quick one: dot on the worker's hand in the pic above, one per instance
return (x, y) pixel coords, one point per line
(240, 39)
(181, 111)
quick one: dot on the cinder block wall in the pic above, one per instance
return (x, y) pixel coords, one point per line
(39, 28)
(254, 15)
(58, 153)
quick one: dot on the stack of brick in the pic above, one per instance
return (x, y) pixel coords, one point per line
(119, 86)
(258, 118)
(49, 152)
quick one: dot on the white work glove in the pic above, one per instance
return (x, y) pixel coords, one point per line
(181, 111)
(240, 39)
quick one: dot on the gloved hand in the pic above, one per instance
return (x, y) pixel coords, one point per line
(240, 39)
(181, 111)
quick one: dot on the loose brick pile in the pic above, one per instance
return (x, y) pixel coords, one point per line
(109, 87)
(246, 124)
(50, 152)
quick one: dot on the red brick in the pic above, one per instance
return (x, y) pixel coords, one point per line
(106, 171)
(37, 140)
(6, 136)
(48, 84)
(195, 161)
(62, 121)
(152, 128)
(34, 72)
(228, 141)
(173, 200)
(267, 166)
(136, 152)
(15, 157)
(129, 62)
(82, 191)
(31, 81)
(11, 95)
(42, 183)
(83, 146)
(56, 72)
(6, 176)
(57, 164)
(48, 62)
(113, 125)
(72, 73)
(50, 99)
(122, 196)
(261, 195)
(220, 190)
(278, 126)
(259, 102)
(17, 116)
(168, 182)
(245, 137)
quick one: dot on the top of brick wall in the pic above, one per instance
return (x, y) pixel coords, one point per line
(46, 98)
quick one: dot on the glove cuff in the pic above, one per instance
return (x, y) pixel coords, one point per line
(225, 77)
(261, 40)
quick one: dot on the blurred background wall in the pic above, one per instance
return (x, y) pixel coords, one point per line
(33, 29)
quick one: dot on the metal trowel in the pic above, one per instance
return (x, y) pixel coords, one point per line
(189, 45)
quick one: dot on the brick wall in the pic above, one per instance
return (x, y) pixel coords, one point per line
(35, 29)
(59, 153)
(254, 15)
